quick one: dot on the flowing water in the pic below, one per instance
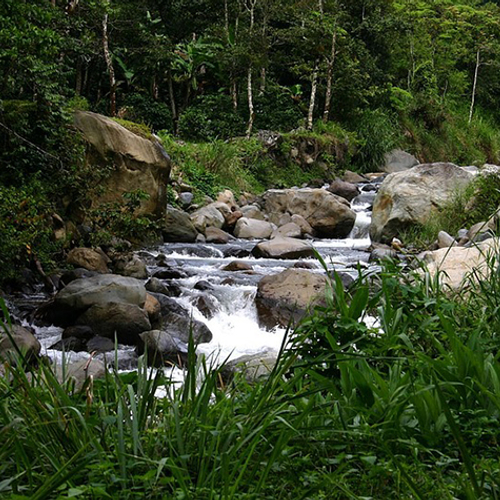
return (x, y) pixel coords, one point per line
(233, 319)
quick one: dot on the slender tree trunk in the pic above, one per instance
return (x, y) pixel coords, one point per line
(171, 96)
(155, 88)
(251, 111)
(234, 92)
(109, 65)
(474, 86)
(312, 101)
(329, 78)
(226, 19)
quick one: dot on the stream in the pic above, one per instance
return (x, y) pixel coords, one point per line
(232, 316)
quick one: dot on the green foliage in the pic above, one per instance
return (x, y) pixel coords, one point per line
(143, 109)
(139, 129)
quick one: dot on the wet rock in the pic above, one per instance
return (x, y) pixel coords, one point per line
(80, 332)
(177, 226)
(156, 286)
(253, 229)
(217, 236)
(69, 344)
(125, 321)
(153, 310)
(283, 248)
(203, 286)
(25, 341)
(344, 189)
(90, 259)
(237, 252)
(169, 274)
(207, 305)
(130, 265)
(237, 266)
(285, 297)
(99, 344)
(162, 349)
(408, 198)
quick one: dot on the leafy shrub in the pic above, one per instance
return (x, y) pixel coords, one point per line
(211, 117)
(143, 108)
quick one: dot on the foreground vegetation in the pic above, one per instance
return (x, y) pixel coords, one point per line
(407, 409)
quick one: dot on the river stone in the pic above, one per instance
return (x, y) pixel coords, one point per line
(227, 197)
(253, 212)
(254, 367)
(162, 349)
(329, 215)
(209, 216)
(168, 273)
(177, 227)
(98, 345)
(284, 297)
(131, 265)
(408, 198)
(83, 293)
(156, 286)
(78, 331)
(185, 199)
(283, 248)
(444, 240)
(398, 160)
(237, 266)
(250, 229)
(125, 321)
(90, 259)
(69, 344)
(344, 189)
(25, 341)
(290, 230)
(305, 227)
(136, 163)
(455, 264)
(353, 177)
(217, 236)
(153, 309)
(80, 372)
(207, 305)
(76, 274)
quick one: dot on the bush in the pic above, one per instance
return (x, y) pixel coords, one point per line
(143, 108)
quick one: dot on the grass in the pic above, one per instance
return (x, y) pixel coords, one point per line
(406, 411)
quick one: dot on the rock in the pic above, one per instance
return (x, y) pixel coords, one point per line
(89, 259)
(237, 252)
(329, 215)
(137, 163)
(353, 177)
(290, 230)
(78, 331)
(253, 212)
(254, 367)
(99, 344)
(108, 319)
(25, 341)
(227, 197)
(156, 286)
(283, 248)
(305, 227)
(284, 219)
(398, 160)
(217, 236)
(231, 219)
(69, 344)
(162, 349)
(269, 139)
(284, 297)
(131, 265)
(207, 305)
(408, 198)
(203, 286)
(455, 264)
(209, 216)
(153, 310)
(83, 293)
(252, 229)
(177, 227)
(478, 229)
(185, 199)
(76, 274)
(444, 240)
(237, 266)
(169, 274)
(80, 372)
(364, 200)
(344, 189)
(378, 254)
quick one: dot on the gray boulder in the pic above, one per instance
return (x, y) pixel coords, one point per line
(88, 258)
(344, 189)
(210, 216)
(283, 248)
(178, 227)
(218, 236)
(254, 367)
(398, 160)
(290, 230)
(131, 265)
(408, 198)
(162, 349)
(25, 341)
(80, 372)
(252, 212)
(251, 229)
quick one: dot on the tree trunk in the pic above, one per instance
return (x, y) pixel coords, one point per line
(251, 111)
(312, 102)
(173, 106)
(262, 80)
(329, 78)
(109, 65)
(234, 93)
(474, 86)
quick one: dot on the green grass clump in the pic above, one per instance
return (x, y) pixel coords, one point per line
(406, 411)
(140, 129)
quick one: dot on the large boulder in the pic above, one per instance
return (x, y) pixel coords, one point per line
(126, 321)
(21, 338)
(162, 349)
(284, 297)
(88, 258)
(177, 227)
(136, 162)
(456, 264)
(408, 198)
(209, 216)
(253, 229)
(329, 215)
(344, 189)
(398, 160)
(289, 230)
(83, 293)
(283, 248)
